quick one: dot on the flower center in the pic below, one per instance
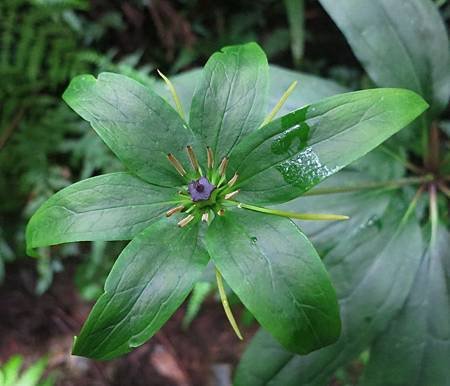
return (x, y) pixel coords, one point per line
(206, 190)
(201, 189)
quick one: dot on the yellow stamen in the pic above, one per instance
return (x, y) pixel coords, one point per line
(176, 164)
(231, 195)
(210, 157)
(193, 159)
(185, 221)
(177, 209)
(233, 180)
(223, 166)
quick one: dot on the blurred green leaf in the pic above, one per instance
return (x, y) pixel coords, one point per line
(296, 17)
(11, 375)
(401, 43)
(201, 290)
(415, 348)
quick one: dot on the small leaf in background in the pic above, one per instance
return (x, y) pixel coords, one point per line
(200, 292)
(11, 373)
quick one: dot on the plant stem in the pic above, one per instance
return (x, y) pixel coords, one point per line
(433, 213)
(226, 305)
(425, 138)
(391, 184)
(432, 160)
(297, 216)
(444, 189)
(404, 162)
(412, 205)
(10, 129)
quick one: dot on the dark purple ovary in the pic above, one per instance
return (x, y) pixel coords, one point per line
(201, 189)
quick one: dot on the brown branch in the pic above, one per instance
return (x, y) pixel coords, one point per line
(432, 161)
(171, 27)
(10, 129)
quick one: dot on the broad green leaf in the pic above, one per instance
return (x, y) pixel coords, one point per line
(400, 43)
(309, 89)
(114, 206)
(297, 151)
(372, 271)
(230, 99)
(415, 349)
(148, 282)
(277, 274)
(135, 122)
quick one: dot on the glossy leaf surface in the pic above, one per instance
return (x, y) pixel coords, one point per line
(297, 151)
(277, 274)
(135, 122)
(114, 206)
(231, 97)
(148, 282)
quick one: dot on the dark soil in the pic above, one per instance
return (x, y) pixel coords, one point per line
(38, 325)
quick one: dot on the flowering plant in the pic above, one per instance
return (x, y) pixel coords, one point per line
(181, 218)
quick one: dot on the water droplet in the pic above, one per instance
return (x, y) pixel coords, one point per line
(253, 239)
(373, 221)
(304, 170)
